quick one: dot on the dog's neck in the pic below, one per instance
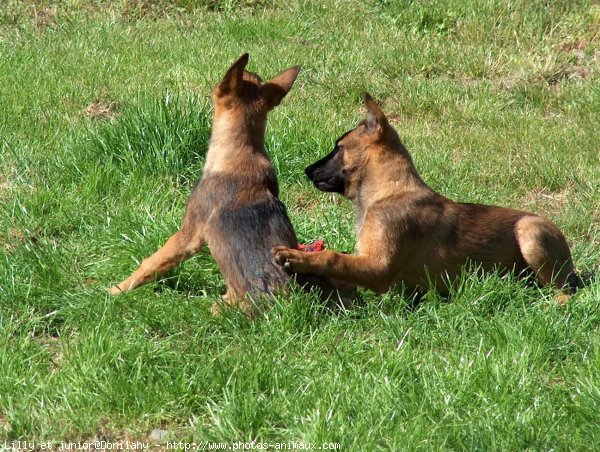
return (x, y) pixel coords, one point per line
(390, 173)
(235, 138)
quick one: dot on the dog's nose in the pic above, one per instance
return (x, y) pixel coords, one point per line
(309, 171)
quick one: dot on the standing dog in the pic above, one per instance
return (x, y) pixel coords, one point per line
(408, 233)
(234, 208)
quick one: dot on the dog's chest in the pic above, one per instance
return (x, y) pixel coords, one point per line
(359, 228)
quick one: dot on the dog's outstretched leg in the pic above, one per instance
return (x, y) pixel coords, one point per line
(359, 270)
(178, 248)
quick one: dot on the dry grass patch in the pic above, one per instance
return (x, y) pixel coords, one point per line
(5, 427)
(44, 16)
(15, 238)
(102, 110)
(53, 346)
(4, 187)
(547, 203)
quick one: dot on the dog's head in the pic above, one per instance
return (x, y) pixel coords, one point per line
(243, 90)
(343, 169)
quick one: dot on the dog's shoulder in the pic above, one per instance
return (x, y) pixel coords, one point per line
(222, 189)
(410, 207)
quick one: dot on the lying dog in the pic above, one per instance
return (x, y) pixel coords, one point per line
(408, 233)
(234, 208)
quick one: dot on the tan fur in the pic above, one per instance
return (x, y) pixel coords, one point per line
(408, 233)
(234, 208)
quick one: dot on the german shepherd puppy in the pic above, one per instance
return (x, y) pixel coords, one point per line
(234, 208)
(408, 233)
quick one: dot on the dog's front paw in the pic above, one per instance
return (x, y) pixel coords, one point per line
(115, 290)
(291, 260)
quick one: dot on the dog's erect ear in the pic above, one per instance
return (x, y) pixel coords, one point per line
(234, 76)
(376, 120)
(276, 89)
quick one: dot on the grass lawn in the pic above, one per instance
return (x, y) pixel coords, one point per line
(105, 114)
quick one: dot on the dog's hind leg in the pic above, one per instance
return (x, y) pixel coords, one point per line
(547, 253)
(178, 248)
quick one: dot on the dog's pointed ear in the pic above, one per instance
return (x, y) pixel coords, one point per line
(276, 89)
(376, 120)
(235, 74)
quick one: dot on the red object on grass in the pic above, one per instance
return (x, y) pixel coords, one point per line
(313, 247)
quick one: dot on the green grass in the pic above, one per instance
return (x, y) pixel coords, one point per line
(499, 102)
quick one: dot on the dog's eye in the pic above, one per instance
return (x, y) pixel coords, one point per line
(344, 171)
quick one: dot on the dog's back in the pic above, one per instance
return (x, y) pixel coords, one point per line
(244, 220)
